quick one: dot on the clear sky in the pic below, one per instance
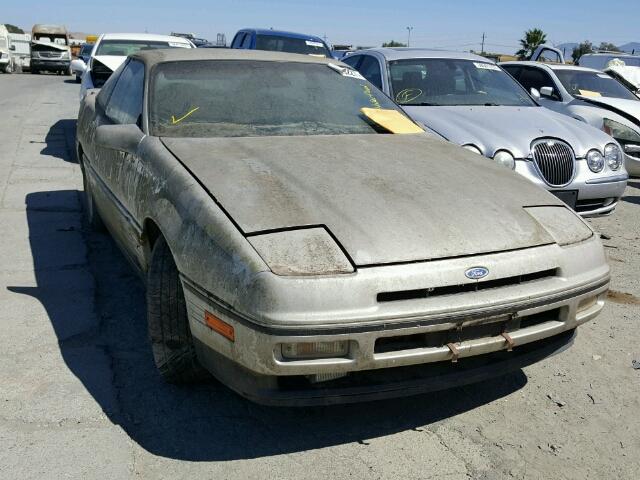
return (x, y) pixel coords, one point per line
(455, 24)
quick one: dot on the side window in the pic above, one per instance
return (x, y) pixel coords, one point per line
(105, 92)
(352, 61)
(125, 104)
(246, 40)
(236, 40)
(513, 70)
(370, 69)
(532, 77)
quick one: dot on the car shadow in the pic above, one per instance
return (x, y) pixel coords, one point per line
(632, 199)
(60, 141)
(634, 184)
(205, 422)
(72, 81)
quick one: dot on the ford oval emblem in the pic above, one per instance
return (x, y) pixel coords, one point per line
(476, 273)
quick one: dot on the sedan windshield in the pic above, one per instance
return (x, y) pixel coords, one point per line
(239, 98)
(592, 84)
(292, 45)
(124, 48)
(447, 82)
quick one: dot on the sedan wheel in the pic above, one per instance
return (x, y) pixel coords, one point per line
(168, 323)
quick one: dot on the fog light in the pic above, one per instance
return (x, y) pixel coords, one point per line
(301, 351)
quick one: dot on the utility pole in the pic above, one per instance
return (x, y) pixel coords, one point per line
(409, 36)
(482, 49)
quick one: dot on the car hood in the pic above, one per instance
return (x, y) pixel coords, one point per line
(629, 109)
(510, 128)
(110, 61)
(53, 46)
(385, 198)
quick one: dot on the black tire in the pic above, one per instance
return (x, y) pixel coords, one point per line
(78, 79)
(93, 217)
(171, 341)
(35, 72)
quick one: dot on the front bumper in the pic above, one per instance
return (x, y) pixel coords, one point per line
(597, 194)
(632, 164)
(50, 65)
(418, 337)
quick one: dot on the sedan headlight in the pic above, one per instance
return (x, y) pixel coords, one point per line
(620, 131)
(65, 55)
(613, 156)
(472, 148)
(505, 159)
(595, 160)
(565, 226)
(307, 251)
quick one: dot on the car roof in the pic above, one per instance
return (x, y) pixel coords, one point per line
(551, 66)
(282, 33)
(403, 53)
(153, 57)
(152, 37)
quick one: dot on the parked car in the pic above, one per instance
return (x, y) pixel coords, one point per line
(79, 65)
(628, 76)
(472, 102)
(302, 253)
(50, 49)
(112, 49)
(587, 95)
(278, 41)
(600, 61)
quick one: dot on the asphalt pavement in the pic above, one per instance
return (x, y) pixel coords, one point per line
(80, 397)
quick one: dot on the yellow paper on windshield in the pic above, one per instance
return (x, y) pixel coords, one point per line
(391, 120)
(589, 93)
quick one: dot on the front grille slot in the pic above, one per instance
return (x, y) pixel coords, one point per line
(555, 161)
(471, 332)
(592, 204)
(467, 287)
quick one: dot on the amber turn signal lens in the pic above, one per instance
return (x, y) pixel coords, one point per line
(217, 325)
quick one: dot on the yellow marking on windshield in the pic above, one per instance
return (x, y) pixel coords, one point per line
(408, 94)
(391, 120)
(175, 120)
(373, 100)
(589, 93)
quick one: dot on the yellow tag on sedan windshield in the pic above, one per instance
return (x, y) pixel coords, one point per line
(589, 93)
(391, 120)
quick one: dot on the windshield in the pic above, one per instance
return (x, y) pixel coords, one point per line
(292, 45)
(444, 81)
(593, 84)
(124, 48)
(252, 98)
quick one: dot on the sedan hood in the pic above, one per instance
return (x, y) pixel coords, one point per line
(508, 128)
(385, 198)
(629, 109)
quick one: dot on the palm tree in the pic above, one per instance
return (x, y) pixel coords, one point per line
(532, 39)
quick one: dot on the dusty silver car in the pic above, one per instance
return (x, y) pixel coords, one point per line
(472, 102)
(588, 95)
(302, 253)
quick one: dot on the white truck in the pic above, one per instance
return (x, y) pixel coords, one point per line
(6, 62)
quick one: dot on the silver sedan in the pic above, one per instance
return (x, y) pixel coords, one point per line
(472, 102)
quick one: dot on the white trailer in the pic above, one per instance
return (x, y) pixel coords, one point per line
(21, 52)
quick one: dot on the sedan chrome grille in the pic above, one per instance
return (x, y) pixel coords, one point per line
(555, 161)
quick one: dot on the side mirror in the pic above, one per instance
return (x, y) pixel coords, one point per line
(78, 65)
(124, 138)
(12, 48)
(535, 93)
(546, 92)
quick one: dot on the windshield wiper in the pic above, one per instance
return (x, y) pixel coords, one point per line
(489, 104)
(421, 104)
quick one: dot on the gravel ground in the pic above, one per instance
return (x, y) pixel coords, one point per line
(79, 396)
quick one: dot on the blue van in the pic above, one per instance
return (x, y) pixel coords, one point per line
(274, 40)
